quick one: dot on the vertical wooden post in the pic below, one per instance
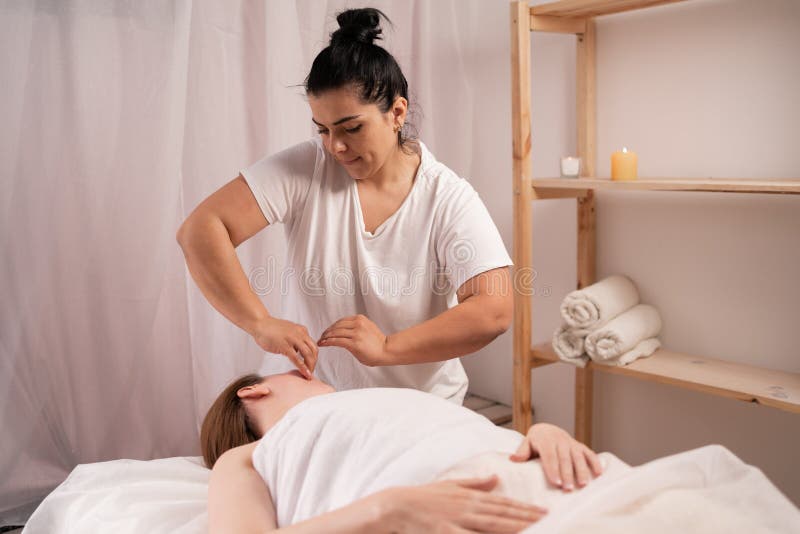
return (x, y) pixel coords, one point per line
(586, 128)
(522, 193)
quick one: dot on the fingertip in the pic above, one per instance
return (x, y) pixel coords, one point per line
(490, 480)
(598, 467)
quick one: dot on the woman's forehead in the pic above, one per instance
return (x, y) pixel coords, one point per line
(335, 104)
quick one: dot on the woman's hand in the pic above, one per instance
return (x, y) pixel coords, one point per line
(360, 336)
(563, 458)
(457, 506)
(290, 339)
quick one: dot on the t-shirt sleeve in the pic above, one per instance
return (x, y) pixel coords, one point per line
(469, 243)
(280, 181)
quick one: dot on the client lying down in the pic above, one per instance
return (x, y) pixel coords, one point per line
(296, 454)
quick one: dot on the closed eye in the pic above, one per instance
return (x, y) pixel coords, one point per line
(348, 130)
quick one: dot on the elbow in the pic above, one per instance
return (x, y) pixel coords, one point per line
(501, 324)
(179, 236)
(183, 233)
(502, 315)
(494, 316)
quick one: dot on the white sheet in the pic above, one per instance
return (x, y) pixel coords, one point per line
(704, 490)
(166, 496)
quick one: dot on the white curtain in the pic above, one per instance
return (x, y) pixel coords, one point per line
(118, 118)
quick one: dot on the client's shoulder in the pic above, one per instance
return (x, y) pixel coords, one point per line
(237, 456)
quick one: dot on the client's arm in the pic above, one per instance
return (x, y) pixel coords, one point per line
(239, 501)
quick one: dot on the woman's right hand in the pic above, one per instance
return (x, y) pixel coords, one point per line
(455, 506)
(290, 339)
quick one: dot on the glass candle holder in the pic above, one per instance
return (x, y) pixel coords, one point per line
(570, 167)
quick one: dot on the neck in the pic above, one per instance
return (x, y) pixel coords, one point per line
(268, 411)
(399, 169)
(264, 420)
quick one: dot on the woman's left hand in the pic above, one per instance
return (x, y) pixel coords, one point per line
(564, 459)
(360, 336)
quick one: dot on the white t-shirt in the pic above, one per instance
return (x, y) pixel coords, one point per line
(402, 274)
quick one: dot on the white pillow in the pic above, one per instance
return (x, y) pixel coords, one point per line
(167, 496)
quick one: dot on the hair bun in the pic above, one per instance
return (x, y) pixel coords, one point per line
(357, 25)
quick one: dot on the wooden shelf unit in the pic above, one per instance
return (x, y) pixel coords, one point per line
(749, 383)
(547, 186)
(768, 387)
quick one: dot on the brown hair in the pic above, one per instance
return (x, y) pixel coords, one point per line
(225, 425)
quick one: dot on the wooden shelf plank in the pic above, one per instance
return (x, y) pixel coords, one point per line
(477, 403)
(498, 413)
(729, 185)
(594, 8)
(779, 389)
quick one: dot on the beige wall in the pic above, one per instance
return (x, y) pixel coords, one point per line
(702, 88)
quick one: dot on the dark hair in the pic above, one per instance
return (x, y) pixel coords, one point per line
(352, 59)
(225, 425)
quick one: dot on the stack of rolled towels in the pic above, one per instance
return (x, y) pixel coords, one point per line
(606, 322)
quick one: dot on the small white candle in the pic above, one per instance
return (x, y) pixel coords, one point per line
(570, 167)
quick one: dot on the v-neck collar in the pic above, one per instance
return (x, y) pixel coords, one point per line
(360, 214)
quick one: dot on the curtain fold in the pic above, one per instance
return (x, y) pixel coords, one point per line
(119, 118)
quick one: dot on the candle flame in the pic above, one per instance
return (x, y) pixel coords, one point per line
(624, 149)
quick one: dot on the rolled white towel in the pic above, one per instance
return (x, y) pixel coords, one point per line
(624, 333)
(594, 305)
(644, 348)
(569, 345)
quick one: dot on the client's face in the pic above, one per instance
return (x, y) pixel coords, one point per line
(267, 401)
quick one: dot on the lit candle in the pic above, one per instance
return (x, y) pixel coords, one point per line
(570, 167)
(623, 165)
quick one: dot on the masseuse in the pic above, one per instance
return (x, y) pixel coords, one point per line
(395, 268)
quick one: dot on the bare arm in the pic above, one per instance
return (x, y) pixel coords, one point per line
(485, 307)
(208, 238)
(484, 311)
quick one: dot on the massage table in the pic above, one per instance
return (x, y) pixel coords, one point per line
(703, 490)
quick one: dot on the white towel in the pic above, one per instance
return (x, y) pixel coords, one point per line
(333, 449)
(643, 349)
(569, 345)
(595, 305)
(624, 334)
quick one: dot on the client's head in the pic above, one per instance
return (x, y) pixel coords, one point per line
(249, 406)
